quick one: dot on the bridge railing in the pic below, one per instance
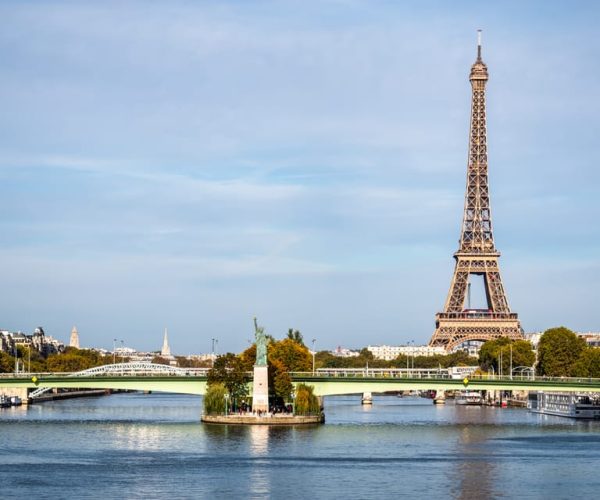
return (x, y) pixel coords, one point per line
(437, 374)
(118, 369)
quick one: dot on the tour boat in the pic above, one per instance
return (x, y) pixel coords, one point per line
(469, 398)
(15, 401)
(4, 401)
(564, 404)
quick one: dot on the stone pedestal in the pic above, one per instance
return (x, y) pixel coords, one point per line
(260, 389)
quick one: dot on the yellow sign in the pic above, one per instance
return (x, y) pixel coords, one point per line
(466, 381)
(34, 379)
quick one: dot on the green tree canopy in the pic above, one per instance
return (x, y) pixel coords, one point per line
(306, 403)
(229, 370)
(214, 399)
(588, 364)
(558, 351)
(7, 363)
(490, 355)
(296, 336)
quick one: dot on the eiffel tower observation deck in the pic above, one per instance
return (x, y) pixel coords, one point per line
(477, 254)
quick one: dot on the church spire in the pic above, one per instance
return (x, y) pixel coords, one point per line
(166, 350)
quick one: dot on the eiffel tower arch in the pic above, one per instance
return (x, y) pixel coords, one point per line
(477, 254)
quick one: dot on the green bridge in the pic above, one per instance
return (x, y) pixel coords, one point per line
(160, 378)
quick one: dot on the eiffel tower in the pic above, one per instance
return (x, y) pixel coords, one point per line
(477, 254)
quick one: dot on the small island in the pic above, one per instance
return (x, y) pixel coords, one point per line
(273, 400)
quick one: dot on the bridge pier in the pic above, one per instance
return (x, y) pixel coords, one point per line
(21, 392)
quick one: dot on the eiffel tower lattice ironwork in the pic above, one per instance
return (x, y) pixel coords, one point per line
(477, 254)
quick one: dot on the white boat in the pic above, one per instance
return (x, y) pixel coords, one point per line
(15, 401)
(564, 404)
(469, 398)
(4, 401)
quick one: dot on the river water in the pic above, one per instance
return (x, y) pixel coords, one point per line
(153, 446)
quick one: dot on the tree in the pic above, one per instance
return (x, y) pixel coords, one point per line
(214, 399)
(228, 370)
(295, 357)
(588, 364)
(306, 402)
(184, 362)
(558, 351)
(74, 360)
(159, 360)
(7, 363)
(493, 351)
(280, 382)
(296, 336)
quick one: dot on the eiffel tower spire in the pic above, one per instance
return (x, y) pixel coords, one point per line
(477, 254)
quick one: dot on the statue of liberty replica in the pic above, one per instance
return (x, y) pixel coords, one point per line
(260, 385)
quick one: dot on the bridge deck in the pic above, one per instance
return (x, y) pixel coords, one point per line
(323, 384)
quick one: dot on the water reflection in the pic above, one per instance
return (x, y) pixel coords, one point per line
(259, 439)
(473, 475)
(138, 437)
(259, 481)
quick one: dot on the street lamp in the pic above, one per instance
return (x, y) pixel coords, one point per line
(114, 350)
(511, 361)
(226, 401)
(500, 363)
(313, 354)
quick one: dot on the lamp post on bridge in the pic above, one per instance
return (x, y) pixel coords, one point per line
(114, 350)
(511, 362)
(313, 354)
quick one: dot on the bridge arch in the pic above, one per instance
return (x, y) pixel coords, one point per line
(128, 369)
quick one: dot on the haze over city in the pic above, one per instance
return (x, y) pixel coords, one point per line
(191, 166)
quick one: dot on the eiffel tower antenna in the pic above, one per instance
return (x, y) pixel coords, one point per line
(477, 254)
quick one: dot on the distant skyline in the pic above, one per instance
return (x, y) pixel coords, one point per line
(193, 165)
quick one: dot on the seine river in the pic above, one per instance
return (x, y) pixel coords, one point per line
(153, 446)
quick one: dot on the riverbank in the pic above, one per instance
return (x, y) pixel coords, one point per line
(266, 419)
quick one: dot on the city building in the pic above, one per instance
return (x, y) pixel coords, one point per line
(342, 352)
(74, 340)
(592, 338)
(38, 340)
(389, 352)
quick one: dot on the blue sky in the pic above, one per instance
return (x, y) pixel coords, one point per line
(194, 164)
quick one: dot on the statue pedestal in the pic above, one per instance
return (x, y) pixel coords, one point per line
(260, 389)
